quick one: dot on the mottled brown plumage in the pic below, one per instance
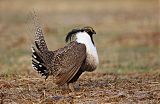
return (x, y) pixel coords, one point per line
(64, 64)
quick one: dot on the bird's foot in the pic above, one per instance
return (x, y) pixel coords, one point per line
(71, 87)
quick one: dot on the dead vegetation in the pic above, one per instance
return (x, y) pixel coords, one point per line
(102, 88)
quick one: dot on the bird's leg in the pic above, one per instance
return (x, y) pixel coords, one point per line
(70, 86)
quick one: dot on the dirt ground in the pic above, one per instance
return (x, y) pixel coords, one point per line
(102, 88)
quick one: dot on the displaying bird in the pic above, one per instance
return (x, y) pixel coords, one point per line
(68, 63)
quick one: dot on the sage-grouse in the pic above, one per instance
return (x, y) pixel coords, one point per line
(68, 63)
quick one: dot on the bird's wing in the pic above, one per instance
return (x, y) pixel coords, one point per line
(68, 61)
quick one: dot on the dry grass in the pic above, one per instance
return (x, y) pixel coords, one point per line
(127, 39)
(111, 88)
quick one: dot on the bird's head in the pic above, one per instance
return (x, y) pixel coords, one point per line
(89, 30)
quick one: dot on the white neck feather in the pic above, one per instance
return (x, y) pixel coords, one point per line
(84, 38)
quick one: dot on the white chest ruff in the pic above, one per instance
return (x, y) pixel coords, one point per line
(91, 60)
(92, 56)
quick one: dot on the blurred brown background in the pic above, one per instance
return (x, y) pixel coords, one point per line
(127, 39)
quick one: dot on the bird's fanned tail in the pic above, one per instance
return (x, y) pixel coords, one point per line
(39, 53)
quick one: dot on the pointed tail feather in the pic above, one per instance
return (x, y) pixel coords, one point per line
(39, 40)
(38, 63)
